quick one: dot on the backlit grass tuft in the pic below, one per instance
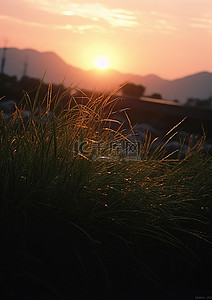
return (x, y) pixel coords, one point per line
(73, 227)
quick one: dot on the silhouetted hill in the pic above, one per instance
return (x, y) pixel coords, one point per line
(194, 86)
(37, 64)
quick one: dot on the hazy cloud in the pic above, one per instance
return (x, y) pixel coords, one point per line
(91, 11)
(80, 28)
(74, 28)
(153, 21)
(202, 22)
(21, 21)
(83, 16)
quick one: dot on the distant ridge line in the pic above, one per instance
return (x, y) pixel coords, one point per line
(197, 85)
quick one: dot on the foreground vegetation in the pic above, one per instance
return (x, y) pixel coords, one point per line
(74, 227)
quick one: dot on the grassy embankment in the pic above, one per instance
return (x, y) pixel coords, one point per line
(77, 228)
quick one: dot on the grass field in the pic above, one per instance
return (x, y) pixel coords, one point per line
(74, 227)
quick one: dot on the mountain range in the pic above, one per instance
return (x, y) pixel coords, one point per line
(56, 70)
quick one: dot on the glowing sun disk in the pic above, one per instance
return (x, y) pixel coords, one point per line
(102, 62)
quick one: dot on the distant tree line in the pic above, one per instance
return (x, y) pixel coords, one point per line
(133, 90)
(130, 89)
(13, 89)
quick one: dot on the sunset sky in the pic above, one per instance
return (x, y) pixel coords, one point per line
(169, 38)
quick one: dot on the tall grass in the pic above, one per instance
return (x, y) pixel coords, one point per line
(75, 226)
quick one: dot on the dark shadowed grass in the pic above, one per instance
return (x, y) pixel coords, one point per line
(77, 228)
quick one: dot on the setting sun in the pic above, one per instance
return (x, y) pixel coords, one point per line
(102, 62)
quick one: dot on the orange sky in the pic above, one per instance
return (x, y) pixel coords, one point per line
(170, 38)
